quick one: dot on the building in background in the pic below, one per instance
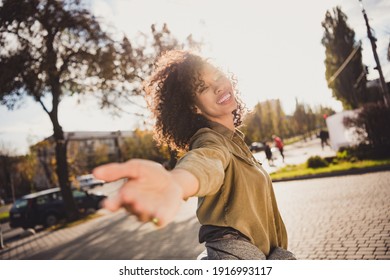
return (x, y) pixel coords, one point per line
(85, 151)
(91, 142)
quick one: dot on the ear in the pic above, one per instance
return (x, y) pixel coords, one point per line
(198, 111)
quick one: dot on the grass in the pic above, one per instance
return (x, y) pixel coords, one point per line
(292, 171)
(4, 216)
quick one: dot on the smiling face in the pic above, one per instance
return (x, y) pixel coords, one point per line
(215, 99)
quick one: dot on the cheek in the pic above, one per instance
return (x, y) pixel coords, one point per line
(203, 103)
(198, 104)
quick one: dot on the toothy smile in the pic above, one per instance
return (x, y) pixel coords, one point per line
(224, 98)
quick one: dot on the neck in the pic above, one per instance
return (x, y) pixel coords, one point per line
(226, 122)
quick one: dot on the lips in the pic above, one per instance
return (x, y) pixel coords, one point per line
(224, 98)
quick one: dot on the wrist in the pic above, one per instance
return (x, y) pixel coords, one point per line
(186, 181)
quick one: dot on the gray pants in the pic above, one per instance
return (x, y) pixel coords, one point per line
(239, 249)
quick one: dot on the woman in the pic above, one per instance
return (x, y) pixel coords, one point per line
(197, 110)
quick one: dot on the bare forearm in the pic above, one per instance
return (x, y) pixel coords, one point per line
(188, 183)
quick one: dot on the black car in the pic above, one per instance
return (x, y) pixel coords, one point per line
(47, 207)
(256, 147)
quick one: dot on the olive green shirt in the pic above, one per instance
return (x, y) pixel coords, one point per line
(234, 189)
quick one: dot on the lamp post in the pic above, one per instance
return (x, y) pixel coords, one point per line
(378, 67)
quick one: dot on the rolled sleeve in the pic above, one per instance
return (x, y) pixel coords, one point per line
(207, 161)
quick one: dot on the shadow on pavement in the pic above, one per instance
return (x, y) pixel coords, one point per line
(114, 240)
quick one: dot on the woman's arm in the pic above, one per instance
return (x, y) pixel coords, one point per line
(150, 191)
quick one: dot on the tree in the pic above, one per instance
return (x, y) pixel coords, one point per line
(15, 173)
(143, 145)
(267, 118)
(300, 118)
(253, 124)
(279, 120)
(54, 48)
(345, 72)
(372, 127)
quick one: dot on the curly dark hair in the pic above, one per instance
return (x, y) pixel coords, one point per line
(170, 93)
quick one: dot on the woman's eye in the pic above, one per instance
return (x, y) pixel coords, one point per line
(219, 76)
(203, 89)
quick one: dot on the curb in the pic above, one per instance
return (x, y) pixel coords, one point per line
(352, 171)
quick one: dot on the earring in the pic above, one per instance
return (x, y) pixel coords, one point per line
(198, 111)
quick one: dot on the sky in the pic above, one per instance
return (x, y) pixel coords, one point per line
(273, 47)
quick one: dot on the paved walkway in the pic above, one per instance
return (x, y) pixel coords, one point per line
(345, 217)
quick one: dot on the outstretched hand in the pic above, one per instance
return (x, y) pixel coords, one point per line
(150, 192)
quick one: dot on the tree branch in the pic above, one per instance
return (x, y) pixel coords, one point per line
(124, 111)
(42, 104)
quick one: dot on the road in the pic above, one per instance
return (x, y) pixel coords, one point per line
(296, 153)
(344, 217)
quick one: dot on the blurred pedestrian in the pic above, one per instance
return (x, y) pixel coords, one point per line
(197, 110)
(268, 153)
(324, 136)
(279, 144)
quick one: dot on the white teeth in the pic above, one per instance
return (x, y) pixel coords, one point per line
(224, 98)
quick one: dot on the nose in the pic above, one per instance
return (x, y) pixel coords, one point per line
(218, 88)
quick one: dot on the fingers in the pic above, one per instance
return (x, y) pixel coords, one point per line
(115, 171)
(134, 201)
(112, 204)
(146, 193)
(141, 213)
(132, 169)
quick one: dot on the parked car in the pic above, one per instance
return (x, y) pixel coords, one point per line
(256, 147)
(47, 207)
(89, 181)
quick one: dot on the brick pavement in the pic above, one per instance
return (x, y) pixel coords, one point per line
(343, 217)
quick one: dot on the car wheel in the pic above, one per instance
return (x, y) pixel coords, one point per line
(90, 211)
(51, 220)
(29, 227)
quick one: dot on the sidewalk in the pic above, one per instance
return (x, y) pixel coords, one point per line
(296, 153)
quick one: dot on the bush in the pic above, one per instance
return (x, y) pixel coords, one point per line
(343, 154)
(373, 126)
(4, 217)
(316, 162)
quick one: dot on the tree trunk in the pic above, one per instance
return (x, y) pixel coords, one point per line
(61, 155)
(6, 164)
(62, 172)
(60, 143)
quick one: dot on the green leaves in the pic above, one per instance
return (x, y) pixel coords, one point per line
(345, 71)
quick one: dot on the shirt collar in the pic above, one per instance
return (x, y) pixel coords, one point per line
(221, 129)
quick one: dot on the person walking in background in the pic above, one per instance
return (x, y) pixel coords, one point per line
(268, 153)
(279, 144)
(324, 136)
(197, 111)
